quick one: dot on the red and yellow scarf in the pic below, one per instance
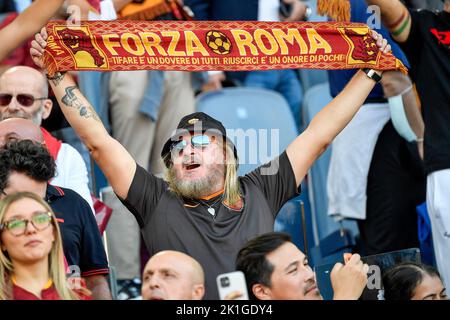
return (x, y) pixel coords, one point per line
(212, 45)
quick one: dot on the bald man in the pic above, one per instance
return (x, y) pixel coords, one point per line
(19, 129)
(173, 275)
(24, 94)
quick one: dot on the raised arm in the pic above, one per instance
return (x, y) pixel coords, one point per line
(26, 24)
(113, 159)
(395, 17)
(331, 120)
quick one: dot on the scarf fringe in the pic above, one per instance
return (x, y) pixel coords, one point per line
(49, 64)
(400, 66)
(148, 13)
(66, 58)
(338, 10)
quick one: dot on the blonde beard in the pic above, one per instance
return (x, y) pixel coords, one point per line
(194, 189)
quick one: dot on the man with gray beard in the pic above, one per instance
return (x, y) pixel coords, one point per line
(203, 208)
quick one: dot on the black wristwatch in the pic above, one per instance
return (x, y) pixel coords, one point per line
(372, 74)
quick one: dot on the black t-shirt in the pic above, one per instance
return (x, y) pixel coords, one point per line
(7, 6)
(168, 223)
(81, 238)
(428, 51)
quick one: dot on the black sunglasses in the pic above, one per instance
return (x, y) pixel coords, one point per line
(26, 100)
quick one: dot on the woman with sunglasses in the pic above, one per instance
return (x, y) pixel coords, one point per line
(31, 257)
(27, 23)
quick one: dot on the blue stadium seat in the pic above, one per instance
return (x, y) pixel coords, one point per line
(312, 77)
(332, 247)
(425, 235)
(290, 220)
(252, 117)
(264, 116)
(316, 98)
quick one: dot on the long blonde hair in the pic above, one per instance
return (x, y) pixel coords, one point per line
(56, 255)
(232, 189)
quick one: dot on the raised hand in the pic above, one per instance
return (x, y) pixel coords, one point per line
(382, 43)
(349, 280)
(38, 47)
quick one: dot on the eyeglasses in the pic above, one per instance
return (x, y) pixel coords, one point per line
(199, 141)
(17, 227)
(23, 99)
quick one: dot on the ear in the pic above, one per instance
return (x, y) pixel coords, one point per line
(198, 292)
(261, 292)
(47, 108)
(3, 247)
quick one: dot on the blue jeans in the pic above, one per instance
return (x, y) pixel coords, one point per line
(284, 82)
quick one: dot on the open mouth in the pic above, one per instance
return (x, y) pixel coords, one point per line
(192, 166)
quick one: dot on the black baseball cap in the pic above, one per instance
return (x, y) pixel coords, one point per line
(195, 122)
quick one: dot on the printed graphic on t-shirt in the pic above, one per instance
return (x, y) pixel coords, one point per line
(442, 36)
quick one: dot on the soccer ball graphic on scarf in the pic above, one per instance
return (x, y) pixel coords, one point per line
(218, 42)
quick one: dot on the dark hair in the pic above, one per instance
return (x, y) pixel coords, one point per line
(27, 157)
(400, 281)
(251, 259)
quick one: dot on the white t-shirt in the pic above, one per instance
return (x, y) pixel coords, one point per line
(71, 172)
(107, 11)
(351, 154)
(268, 10)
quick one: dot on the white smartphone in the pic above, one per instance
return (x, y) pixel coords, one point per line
(230, 284)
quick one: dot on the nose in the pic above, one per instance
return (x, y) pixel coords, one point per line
(30, 228)
(13, 104)
(153, 283)
(310, 275)
(189, 149)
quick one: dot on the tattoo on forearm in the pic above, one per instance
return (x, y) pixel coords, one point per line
(57, 78)
(70, 99)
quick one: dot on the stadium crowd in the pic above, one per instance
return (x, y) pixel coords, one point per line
(182, 215)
